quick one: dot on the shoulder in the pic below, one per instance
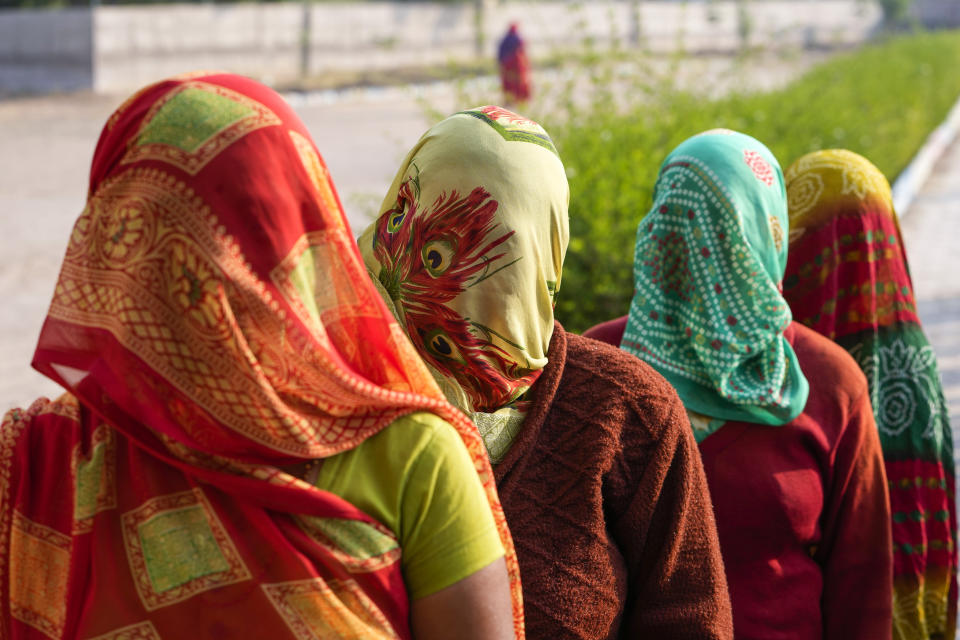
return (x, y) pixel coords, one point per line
(419, 425)
(610, 370)
(829, 369)
(618, 389)
(838, 407)
(375, 475)
(48, 435)
(41, 416)
(411, 437)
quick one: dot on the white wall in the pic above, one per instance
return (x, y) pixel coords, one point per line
(45, 50)
(383, 35)
(138, 44)
(118, 48)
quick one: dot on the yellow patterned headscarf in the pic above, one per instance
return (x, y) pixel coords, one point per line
(469, 248)
(823, 182)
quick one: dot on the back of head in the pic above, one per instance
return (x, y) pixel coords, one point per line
(847, 270)
(211, 292)
(469, 248)
(707, 312)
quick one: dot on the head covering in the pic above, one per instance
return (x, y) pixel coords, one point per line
(706, 311)
(469, 248)
(847, 278)
(215, 320)
(838, 195)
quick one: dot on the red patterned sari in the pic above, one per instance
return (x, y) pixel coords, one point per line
(847, 278)
(212, 323)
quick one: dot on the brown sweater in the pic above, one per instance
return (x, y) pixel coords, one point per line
(607, 502)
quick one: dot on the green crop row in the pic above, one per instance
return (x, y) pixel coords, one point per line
(881, 101)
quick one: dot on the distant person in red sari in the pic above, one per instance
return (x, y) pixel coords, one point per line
(782, 414)
(514, 67)
(240, 410)
(847, 278)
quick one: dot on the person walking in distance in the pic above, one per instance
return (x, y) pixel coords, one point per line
(514, 67)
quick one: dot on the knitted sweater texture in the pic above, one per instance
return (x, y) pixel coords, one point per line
(607, 502)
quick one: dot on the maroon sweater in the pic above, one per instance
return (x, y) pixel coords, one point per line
(802, 510)
(607, 502)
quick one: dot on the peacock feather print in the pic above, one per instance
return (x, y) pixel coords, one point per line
(456, 244)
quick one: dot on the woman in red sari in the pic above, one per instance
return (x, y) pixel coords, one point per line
(207, 326)
(782, 415)
(847, 278)
(514, 67)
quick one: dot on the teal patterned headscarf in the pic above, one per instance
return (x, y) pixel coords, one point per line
(707, 312)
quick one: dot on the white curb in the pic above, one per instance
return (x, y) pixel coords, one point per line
(912, 179)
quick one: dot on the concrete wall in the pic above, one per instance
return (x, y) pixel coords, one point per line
(117, 48)
(46, 50)
(137, 44)
(698, 26)
(392, 35)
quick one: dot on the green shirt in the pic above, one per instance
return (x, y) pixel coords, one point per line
(416, 478)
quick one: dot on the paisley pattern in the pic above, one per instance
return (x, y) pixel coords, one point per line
(706, 311)
(847, 277)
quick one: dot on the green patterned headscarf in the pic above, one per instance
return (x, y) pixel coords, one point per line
(707, 312)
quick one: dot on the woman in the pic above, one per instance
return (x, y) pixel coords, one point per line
(847, 279)
(217, 335)
(594, 463)
(514, 66)
(782, 414)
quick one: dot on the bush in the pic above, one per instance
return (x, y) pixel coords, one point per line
(880, 101)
